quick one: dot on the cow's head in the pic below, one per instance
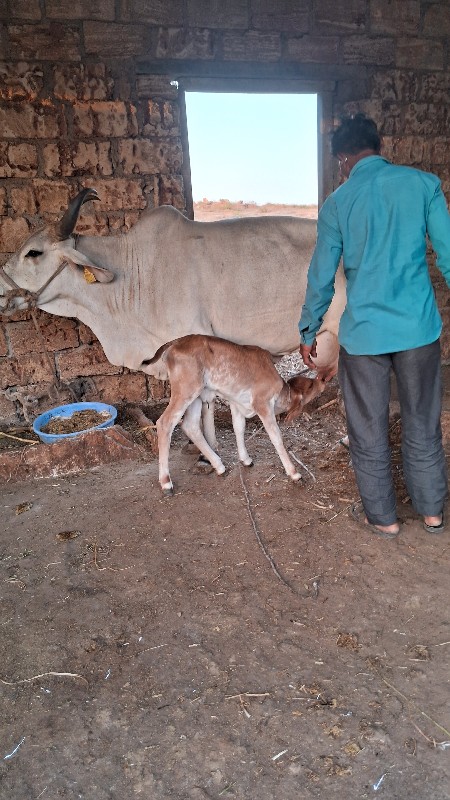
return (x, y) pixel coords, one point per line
(40, 258)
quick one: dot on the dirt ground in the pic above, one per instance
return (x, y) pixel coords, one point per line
(243, 639)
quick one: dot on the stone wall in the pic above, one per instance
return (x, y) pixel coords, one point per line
(88, 97)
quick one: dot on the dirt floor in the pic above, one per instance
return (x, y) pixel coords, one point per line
(243, 639)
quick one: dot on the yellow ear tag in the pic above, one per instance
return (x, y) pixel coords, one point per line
(89, 276)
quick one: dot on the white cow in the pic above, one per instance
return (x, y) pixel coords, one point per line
(239, 279)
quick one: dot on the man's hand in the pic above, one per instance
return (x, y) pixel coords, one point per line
(306, 351)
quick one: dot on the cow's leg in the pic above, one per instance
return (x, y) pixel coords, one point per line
(268, 419)
(192, 429)
(165, 425)
(238, 420)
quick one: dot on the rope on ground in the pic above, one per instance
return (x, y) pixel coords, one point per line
(266, 553)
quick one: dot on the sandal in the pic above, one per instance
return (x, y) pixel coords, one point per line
(435, 528)
(358, 514)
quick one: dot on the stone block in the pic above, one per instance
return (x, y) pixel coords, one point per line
(439, 154)
(29, 122)
(26, 9)
(162, 119)
(157, 12)
(156, 86)
(13, 233)
(158, 390)
(395, 85)
(110, 39)
(118, 194)
(69, 456)
(143, 156)
(51, 160)
(88, 158)
(418, 54)
(126, 388)
(395, 16)
(3, 206)
(181, 43)
(251, 46)
(340, 16)
(17, 161)
(171, 191)
(20, 81)
(82, 82)
(52, 197)
(8, 413)
(58, 334)
(425, 119)
(104, 118)
(216, 14)
(22, 200)
(436, 20)
(85, 361)
(80, 9)
(364, 50)
(315, 49)
(434, 87)
(52, 42)
(284, 15)
(29, 368)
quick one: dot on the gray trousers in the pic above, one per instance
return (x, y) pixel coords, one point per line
(365, 385)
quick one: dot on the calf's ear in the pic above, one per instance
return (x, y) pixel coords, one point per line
(101, 274)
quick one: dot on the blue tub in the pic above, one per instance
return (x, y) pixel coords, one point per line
(67, 411)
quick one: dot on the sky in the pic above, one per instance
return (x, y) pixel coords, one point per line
(258, 148)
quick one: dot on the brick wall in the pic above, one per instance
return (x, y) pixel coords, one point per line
(86, 99)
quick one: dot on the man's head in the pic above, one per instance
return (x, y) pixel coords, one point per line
(355, 138)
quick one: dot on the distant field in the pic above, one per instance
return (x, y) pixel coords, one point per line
(207, 210)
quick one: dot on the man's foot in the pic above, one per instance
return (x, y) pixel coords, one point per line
(434, 524)
(386, 531)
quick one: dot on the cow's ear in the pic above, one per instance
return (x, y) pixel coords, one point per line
(101, 274)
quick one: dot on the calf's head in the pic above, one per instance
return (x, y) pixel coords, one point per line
(303, 390)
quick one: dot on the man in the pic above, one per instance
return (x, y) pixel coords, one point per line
(378, 220)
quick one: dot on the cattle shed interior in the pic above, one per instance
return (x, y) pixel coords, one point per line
(92, 95)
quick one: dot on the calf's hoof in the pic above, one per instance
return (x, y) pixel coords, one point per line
(248, 463)
(202, 467)
(296, 477)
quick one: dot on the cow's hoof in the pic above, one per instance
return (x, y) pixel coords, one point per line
(168, 491)
(296, 477)
(202, 467)
(248, 463)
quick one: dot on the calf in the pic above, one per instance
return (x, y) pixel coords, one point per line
(201, 368)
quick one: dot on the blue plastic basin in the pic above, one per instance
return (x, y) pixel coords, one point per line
(67, 411)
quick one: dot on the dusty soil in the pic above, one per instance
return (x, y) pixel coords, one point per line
(209, 211)
(243, 639)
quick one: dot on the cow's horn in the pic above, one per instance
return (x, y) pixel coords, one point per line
(69, 220)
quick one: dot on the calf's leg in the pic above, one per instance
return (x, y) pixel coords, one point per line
(165, 425)
(268, 419)
(192, 429)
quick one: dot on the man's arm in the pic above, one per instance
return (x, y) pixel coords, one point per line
(321, 277)
(438, 229)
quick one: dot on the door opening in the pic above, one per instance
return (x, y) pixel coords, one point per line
(252, 153)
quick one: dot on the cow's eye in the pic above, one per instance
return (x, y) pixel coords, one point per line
(33, 253)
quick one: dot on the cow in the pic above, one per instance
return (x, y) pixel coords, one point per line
(242, 279)
(201, 368)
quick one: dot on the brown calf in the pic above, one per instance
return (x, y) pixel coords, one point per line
(201, 368)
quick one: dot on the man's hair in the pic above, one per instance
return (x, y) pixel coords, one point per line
(354, 134)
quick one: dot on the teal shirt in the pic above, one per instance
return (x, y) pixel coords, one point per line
(378, 222)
